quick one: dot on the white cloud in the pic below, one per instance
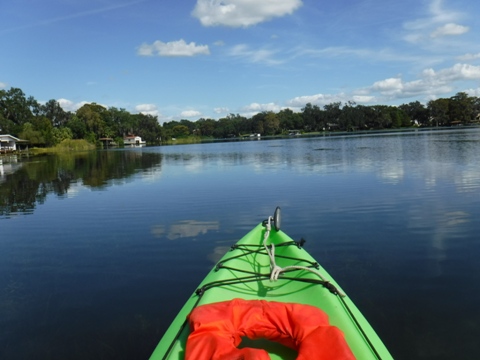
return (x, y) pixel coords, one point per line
(3, 85)
(66, 105)
(440, 14)
(431, 83)
(173, 49)
(377, 55)
(468, 57)
(242, 13)
(413, 38)
(439, 22)
(361, 96)
(388, 86)
(363, 99)
(221, 110)
(436, 14)
(297, 103)
(256, 107)
(190, 113)
(455, 73)
(449, 29)
(473, 92)
(256, 56)
(317, 99)
(336, 51)
(69, 105)
(147, 109)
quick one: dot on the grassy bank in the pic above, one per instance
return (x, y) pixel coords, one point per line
(186, 140)
(65, 146)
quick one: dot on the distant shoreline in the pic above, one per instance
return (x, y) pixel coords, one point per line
(190, 141)
(185, 141)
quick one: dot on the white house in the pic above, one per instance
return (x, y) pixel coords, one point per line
(133, 140)
(9, 143)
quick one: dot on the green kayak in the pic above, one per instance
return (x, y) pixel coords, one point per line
(267, 268)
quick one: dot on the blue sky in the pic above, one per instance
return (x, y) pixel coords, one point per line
(187, 59)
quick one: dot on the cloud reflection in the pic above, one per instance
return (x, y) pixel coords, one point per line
(184, 229)
(217, 253)
(429, 155)
(448, 224)
(8, 166)
(392, 174)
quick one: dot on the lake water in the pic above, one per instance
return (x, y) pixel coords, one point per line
(99, 251)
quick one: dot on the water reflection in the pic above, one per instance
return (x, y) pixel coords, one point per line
(217, 253)
(429, 155)
(184, 229)
(392, 218)
(8, 165)
(449, 225)
(437, 225)
(26, 184)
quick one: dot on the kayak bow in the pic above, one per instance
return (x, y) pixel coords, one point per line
(267, 265)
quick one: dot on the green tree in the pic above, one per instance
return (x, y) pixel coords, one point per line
(348, 119)
(7, 126)
(180, 131)
(416, 111)
(438, 110)
(77, 127)
(476, 109)
(224, 128)
(44, 125)
(189, 124)
(33, 136)
(15, 110)
(377, 117)
(313, 118)
(148, 128)
(271, 123)
(60, 134)
(289, 120)
(258, 123)
(53, 111)
(93, 115)
(205, 127)
(238, 124)
(120, 122)
(332, 113)
(461, 108)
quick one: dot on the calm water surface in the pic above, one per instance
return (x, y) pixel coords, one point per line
(99, 251)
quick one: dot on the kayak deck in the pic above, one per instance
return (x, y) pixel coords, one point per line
(245, 271)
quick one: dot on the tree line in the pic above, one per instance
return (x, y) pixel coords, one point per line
(48, 124)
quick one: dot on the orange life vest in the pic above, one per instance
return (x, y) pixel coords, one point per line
(217, 329)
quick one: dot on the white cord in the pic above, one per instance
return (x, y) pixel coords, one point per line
(276, 270)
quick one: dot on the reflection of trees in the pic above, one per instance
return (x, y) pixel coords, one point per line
(104, 166)
(22, 190)
(18, 193)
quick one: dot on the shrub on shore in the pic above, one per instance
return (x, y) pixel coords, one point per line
(66, 145)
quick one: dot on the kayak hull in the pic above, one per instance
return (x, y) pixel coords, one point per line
(244, 272)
